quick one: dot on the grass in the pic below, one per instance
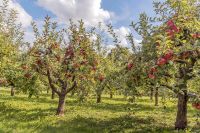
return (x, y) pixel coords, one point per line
(20, 114)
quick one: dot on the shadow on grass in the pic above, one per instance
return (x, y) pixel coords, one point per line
(117, 125)
(81, 124)
(125, 107)
(8, 113)
(102, 106)
(116, 107)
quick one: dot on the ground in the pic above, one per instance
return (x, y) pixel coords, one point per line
(20, 114)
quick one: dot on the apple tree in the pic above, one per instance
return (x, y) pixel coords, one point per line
(64, 57)
(178, 50)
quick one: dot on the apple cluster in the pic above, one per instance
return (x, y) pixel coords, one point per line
(172, 28)
(161, 62)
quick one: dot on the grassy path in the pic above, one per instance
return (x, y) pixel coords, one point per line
(22, 115)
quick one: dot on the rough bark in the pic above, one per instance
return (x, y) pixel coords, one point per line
(61, 105)
(156, 96)
(181, 117)
(98, 98)
(12, 91)
(151, 94)
(64, 90)
(53, 94)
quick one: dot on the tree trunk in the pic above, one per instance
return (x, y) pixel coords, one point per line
(52, 95)
(181, 118)
(151, 94)
(98, 98)
(61, 105)
(12, 92)
(111, 95)
(156, 96)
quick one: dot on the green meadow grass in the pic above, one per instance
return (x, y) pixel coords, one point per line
(20, 114)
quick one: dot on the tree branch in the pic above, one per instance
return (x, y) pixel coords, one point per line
(51, 83)
(169, 87)
(72, 87)
(180, 61)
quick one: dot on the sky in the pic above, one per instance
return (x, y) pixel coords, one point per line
(118, 12)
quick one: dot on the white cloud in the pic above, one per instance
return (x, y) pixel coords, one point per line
(137, 42)
(23, 17)
(122, 32)
(29, 35)
(109, 47)
(88, 10)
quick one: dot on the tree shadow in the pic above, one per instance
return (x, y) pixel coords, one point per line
(114, 125)
(126, 123)
(8, 113)
(123, 107)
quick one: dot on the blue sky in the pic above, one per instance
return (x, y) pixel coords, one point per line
(126, 10)
(119, 12)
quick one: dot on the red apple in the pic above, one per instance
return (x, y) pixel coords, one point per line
(169, 55)
(151, 76)
(195, 36)
(174, 28)
(196, 105)
(153, 69)
(130, 66)
(161, 61)
(170, 23)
